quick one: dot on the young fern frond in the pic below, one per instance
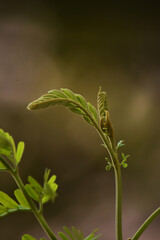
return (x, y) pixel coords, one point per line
(74, 102)
(102, 103)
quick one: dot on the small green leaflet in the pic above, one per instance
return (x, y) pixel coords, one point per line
(20, 150)
(31, 192)
(120, 144)
(2, 167)
(7, 145)
(35, 184)
(93, 111)
(3, 211)
(75, 234)
(124, 159)
(21, 198)
(29, 237)
(7, 202)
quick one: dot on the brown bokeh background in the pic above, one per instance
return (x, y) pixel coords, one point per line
(81, 45)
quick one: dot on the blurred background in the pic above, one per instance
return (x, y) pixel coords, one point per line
(82, 45)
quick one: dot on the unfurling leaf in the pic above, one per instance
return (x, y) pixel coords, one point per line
(102, 103)
(108, 167)
(74, 102)
(120, 144)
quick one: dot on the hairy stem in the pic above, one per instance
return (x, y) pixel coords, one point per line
(39, 216)
(145, 224)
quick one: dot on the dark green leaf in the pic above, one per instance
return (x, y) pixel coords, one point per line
(20, 150)
(7, 201)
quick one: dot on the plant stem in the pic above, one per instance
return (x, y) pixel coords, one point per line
(38, 215)
(145, 224)
(118, 183)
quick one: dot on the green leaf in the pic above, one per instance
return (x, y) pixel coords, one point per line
(120, 144)
(74, 102)
(28, 237)
(68, 232)
(31, 192)
(63, 236)
(125, 165)
(21, 198)
(82, 100)
(20, 150)
(87, 119)
(108, 167)
(52, 179)
(57, 93)
(69, 94)
(38, 188)
(7, 201)
(76, 110)
(50, 187)
(93, 111)
(7, 145)
(77, 233)
(92, 235)
(2, 167)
